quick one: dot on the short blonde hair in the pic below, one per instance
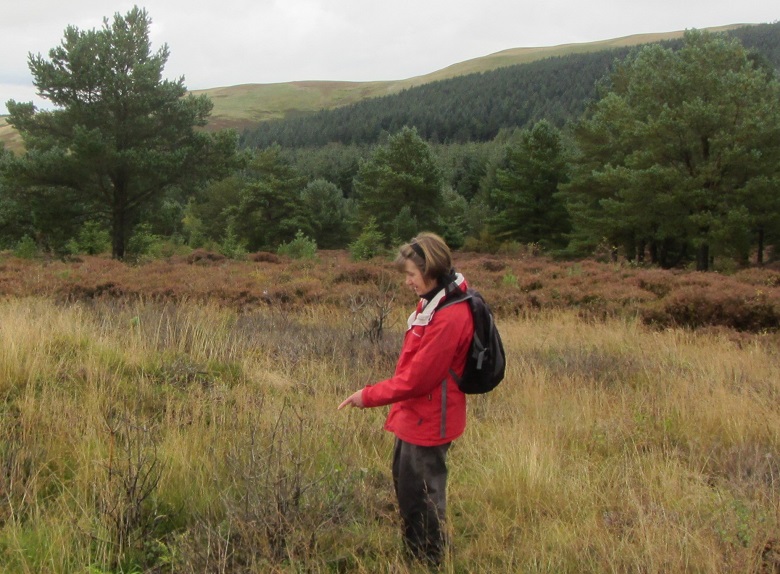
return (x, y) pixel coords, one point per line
(429, 253)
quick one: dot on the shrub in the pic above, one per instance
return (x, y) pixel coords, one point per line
(173, 247)
(301, 247)
(26, 248)
(193, 226)
(264, 257)
(93, 239)
(485, 243)
(202, 256)
(369, 244)
(143, 241)
(232, 247)
(509, 280)
(759, 277)
(695, 307)
(356, 274)
(493, 265)
(656, 281)
(516, 249)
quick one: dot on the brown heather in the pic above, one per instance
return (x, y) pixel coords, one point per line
(176, 417)
(747, 300)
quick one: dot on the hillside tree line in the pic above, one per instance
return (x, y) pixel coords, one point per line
(477, 106)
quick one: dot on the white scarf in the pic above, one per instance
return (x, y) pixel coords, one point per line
(424, 317)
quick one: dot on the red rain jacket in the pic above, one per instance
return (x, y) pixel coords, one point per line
(428, 408)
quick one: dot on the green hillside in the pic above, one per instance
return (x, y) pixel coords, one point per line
(477, 106)
(247, 104)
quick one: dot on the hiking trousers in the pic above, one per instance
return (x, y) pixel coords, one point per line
(420, 481)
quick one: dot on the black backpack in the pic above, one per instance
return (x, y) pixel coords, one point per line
(486, 363)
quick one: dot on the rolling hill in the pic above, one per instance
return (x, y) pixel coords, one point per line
(245, 105)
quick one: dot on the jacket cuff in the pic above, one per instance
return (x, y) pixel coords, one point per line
(366, 396)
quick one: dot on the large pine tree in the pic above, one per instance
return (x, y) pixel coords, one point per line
(400, 186)
(119, 134)
(525, 195)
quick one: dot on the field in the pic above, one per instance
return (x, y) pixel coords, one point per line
(180, 415)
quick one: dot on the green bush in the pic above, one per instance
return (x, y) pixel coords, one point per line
(232, 247)
(170, 247)
(509, 280)
(485, 243)
(143, 241)
(92, 239)
(302, 247)
(26, 248)
(370, 243)
(193, 227)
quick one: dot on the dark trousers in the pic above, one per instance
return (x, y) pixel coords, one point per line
(420, 480)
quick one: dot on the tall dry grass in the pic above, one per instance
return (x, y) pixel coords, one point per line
(187, 437)
(621, 449)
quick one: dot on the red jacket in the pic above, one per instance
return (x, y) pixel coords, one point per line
(428, 408)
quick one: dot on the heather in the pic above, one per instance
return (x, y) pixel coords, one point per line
(516, 285)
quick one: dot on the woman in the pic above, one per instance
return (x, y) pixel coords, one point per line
(428, 410)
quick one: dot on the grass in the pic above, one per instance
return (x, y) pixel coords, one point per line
(9, 137)
(190, 436)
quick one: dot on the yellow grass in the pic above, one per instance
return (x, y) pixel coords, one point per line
(610, 447)
(9, 137)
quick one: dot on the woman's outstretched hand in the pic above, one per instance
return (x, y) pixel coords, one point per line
(353, 400)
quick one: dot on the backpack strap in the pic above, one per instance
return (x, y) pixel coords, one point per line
(454, 294)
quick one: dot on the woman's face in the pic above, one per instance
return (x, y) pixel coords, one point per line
(415, 280)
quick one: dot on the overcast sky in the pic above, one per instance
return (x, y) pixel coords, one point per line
(230, 42)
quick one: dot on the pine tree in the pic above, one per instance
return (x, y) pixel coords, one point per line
(402, 174)
(119, 134)
(681, 155)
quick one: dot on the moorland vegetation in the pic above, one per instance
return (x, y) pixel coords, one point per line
(180, 416)
(178, 324)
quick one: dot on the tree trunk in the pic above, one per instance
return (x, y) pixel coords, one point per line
(760, 253)
(703, 258)
(118, 237)
(119, 222)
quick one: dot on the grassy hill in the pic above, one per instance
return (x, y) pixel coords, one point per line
(240, 106)
(247, 104)
(8, 136)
